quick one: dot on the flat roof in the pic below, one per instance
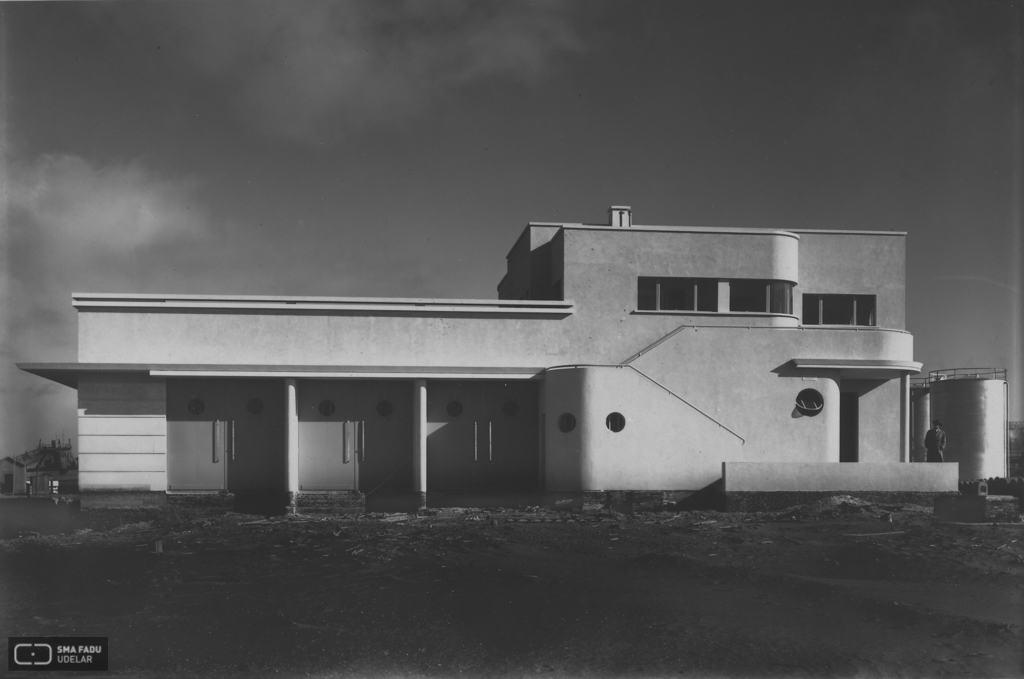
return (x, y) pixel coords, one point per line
(67, 373)
(753, 231)
(312, 304)
(720, 229)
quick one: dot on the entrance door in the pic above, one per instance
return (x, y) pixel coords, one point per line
(226, 434)
(329, 436)
(454, 442)
(849, 424)
(385, 409)
(512, 419)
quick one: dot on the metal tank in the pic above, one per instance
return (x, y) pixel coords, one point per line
(920, 418)
(971, 403)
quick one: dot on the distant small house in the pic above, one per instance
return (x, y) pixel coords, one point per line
(12, 474)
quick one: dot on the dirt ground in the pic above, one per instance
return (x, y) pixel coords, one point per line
(835, 588)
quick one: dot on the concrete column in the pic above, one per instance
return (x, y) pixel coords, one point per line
(723, 296)
(419, 443)
(905, 418)
(292, 434)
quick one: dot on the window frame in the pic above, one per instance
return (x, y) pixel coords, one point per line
(818, 304)
(704, 294)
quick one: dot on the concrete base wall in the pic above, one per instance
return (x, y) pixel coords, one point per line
(110, 509)
(202, 503)
(839, 477)
(328, 502)
(774, 501)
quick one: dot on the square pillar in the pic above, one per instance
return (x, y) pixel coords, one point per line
(419, 407)
(292, 437)
(905, 418)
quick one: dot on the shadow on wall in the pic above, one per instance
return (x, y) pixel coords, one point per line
(710, 497)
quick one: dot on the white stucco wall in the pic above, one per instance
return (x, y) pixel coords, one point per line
(122, 432)
(733, 367)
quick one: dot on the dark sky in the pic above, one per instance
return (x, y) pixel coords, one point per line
(398, 148)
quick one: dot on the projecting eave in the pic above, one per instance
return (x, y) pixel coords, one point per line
(68, 373)
(859, 368)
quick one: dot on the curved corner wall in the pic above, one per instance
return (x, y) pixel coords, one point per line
(629, 434)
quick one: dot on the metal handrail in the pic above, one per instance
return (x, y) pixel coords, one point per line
(657, 383)
(967, 374)
(654, 344)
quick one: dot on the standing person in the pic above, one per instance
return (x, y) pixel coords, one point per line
(935, 442)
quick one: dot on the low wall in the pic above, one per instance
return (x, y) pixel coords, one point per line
(773, 501)
(803, 477)
(110, 509)
(328, 502)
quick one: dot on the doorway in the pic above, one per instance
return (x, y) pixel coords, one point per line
(483, 436)
(356, 435)
(226, 435)
(849, 423)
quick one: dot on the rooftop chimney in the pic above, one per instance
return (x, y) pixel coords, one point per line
(620, 215)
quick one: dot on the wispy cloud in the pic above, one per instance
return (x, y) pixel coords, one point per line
(315, 71)
(978, 279)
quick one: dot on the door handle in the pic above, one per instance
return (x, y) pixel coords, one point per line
(216, 441)
(362, 441)
(346, 441)
(490, 442)
(232, 440)
(476, 445)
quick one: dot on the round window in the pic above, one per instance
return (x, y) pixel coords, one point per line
(254, 406)
(566, 422)
(384, 408)
(454, 408)
(326, 407)
(615, 421)
(196, 406)
(809, 402)
(511, 409)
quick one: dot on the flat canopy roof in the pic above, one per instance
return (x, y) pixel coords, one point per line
(859, 367)
(67, 373)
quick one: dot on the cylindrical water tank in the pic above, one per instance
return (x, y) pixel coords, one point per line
(920, 421)
(972, 409)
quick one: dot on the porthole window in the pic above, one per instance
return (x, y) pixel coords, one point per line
(196, 406)
(809, 402)
(384, 408)
(615, 421)
(511, 409)
(326, 407)
(254, 406)
(454, 408)
(566, 422)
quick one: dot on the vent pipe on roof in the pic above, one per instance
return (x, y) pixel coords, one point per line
(620, 215)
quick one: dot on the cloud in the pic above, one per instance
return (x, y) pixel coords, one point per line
(72, 224)
(312, 71)
(73, 208)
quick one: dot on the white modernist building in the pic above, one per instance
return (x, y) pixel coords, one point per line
(617, 357)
